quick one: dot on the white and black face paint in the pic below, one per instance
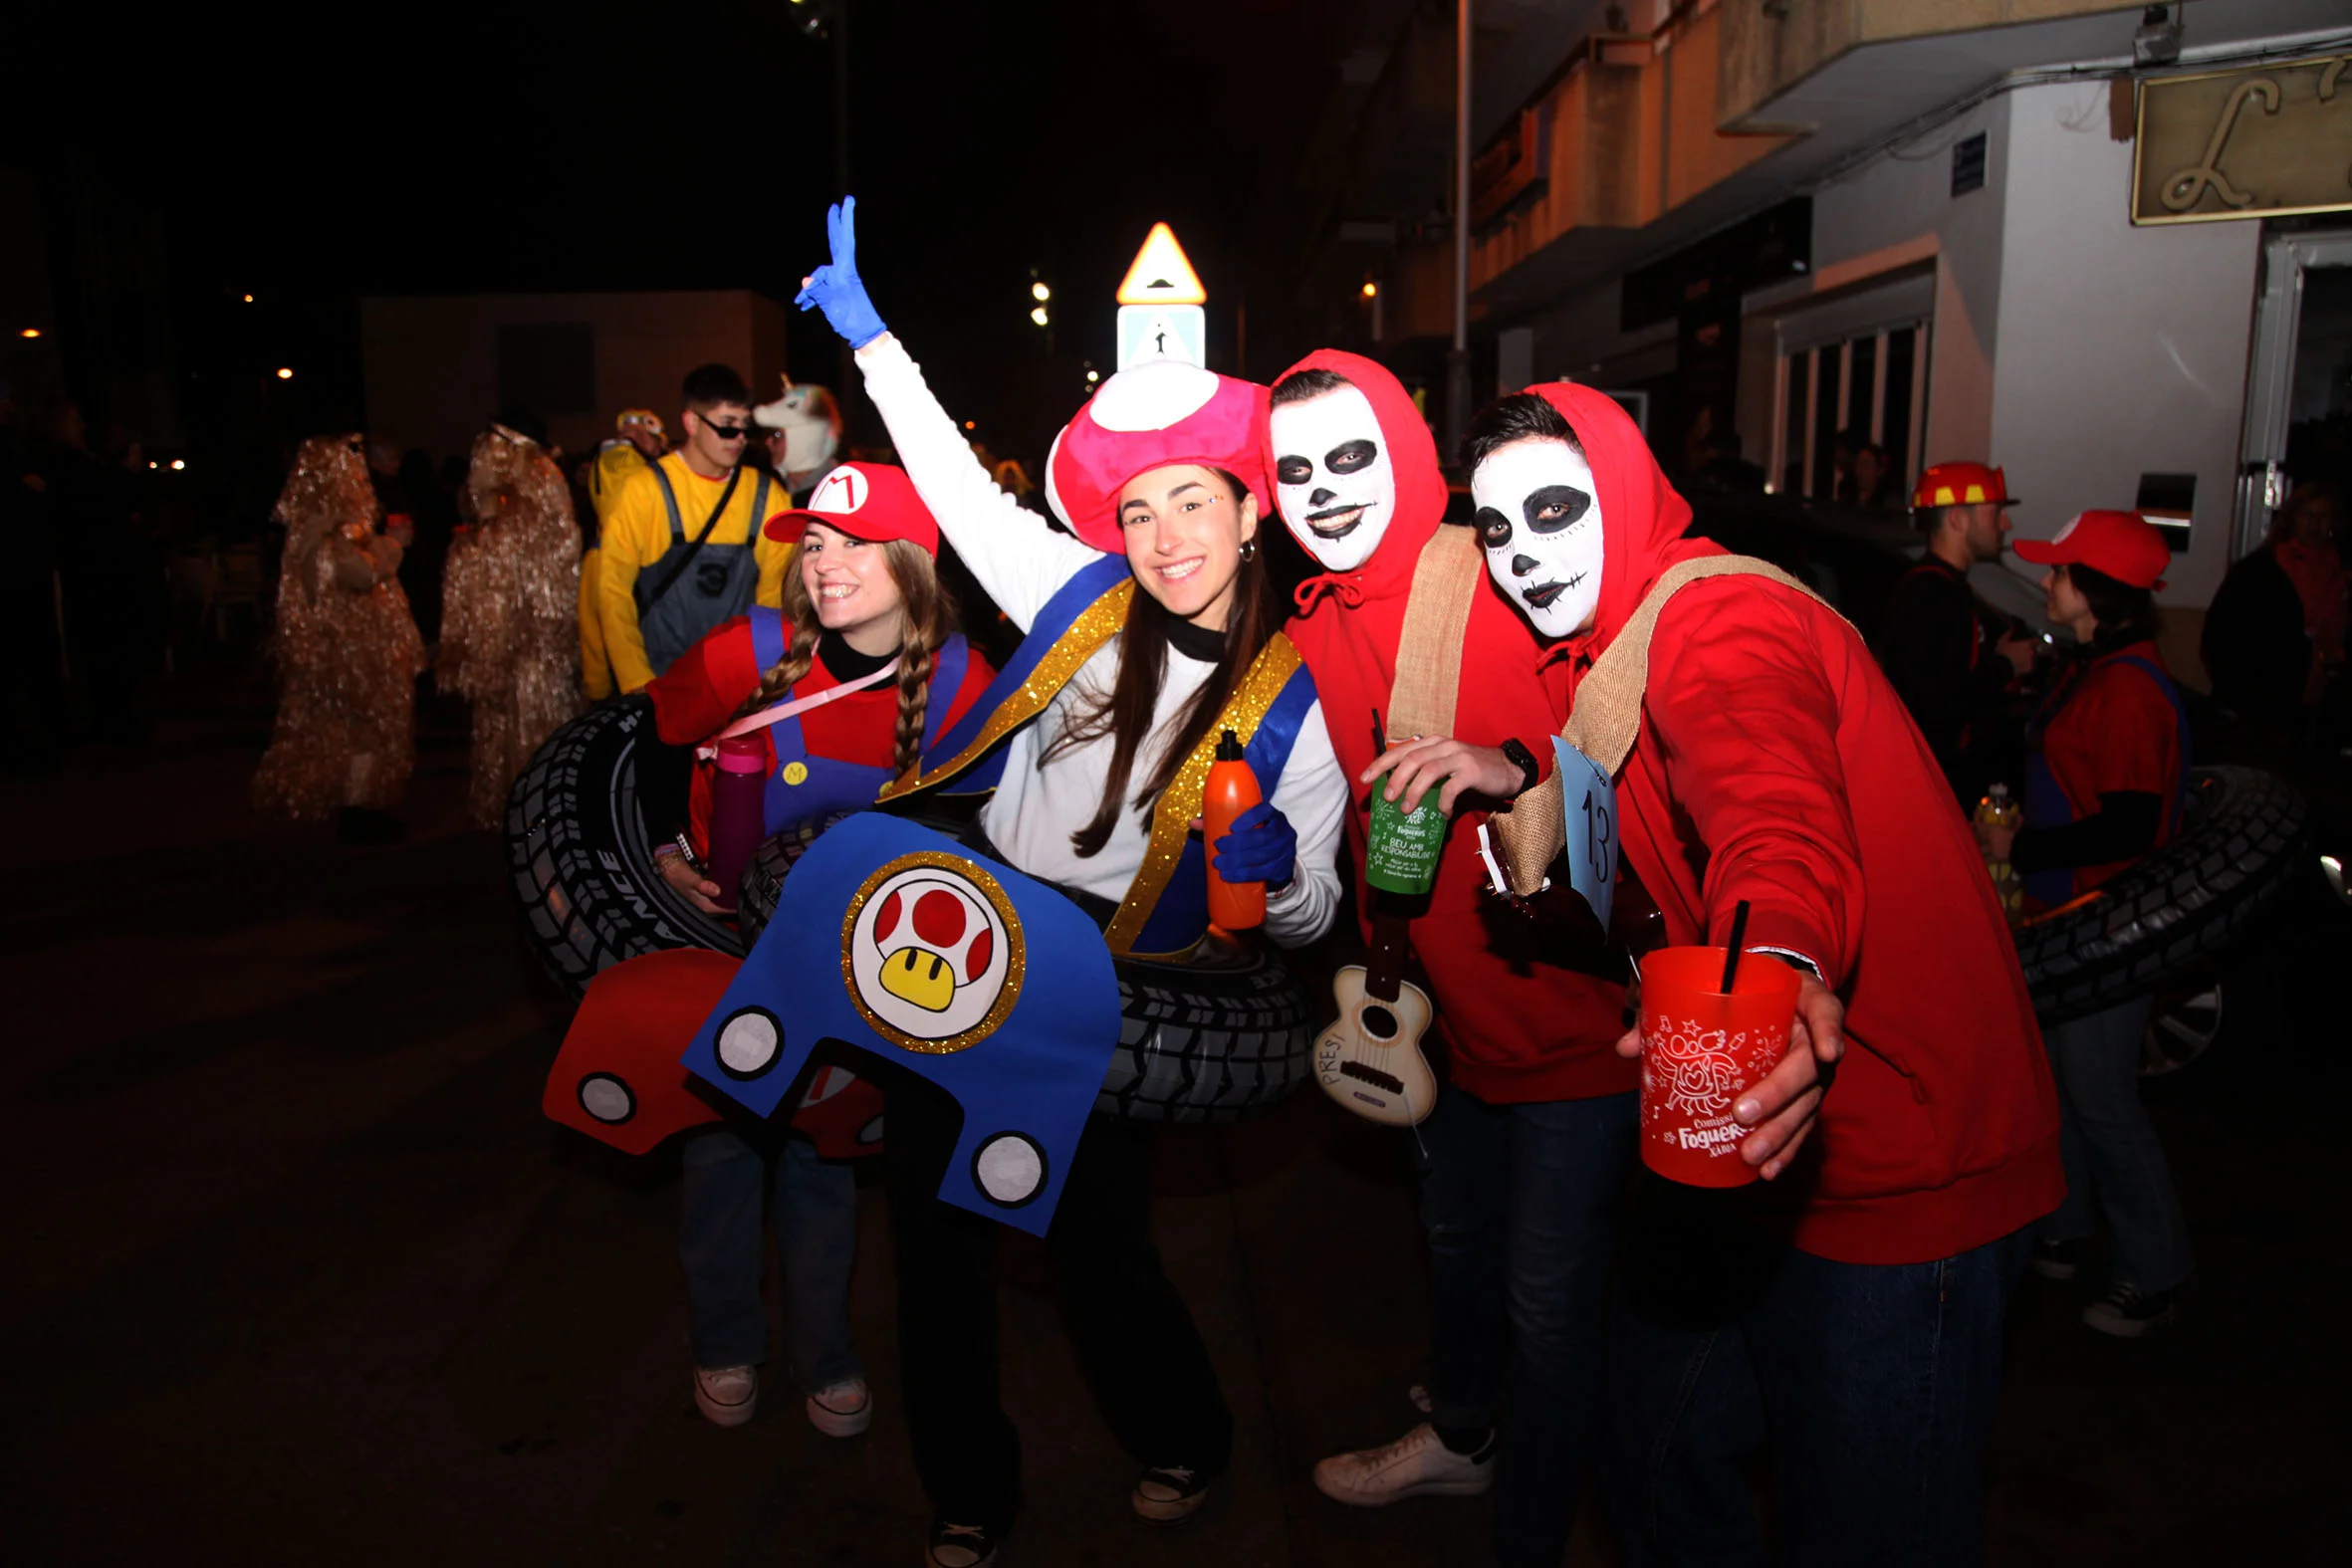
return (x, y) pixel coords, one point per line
(1337, 486)
(1541, 524)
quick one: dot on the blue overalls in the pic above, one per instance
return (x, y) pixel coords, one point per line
(826, 785)
(2046, 805)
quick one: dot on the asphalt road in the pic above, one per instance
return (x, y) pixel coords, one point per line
(297, 1274)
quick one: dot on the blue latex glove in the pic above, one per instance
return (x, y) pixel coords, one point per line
(1262, 848)
(836, 288)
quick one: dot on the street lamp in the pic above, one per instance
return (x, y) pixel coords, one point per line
(1371, 290)
(285, 373)
(1039, 316)
(1040, 293)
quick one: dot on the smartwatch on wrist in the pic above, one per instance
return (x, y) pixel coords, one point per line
(1525, 761)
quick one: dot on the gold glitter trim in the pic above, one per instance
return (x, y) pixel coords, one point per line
(1095, 626)
(1016, 952)
(1171, 818)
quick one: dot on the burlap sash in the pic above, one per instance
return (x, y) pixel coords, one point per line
(1607, 716)
(1446, 581)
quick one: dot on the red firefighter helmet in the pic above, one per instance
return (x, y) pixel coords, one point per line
(1960, 485)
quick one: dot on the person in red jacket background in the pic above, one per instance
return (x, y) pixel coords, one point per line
(1525, 1150)
(860, 596)
(1775, 765)
(2106, 761)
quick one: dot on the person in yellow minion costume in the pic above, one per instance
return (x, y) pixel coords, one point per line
(639, 444)
(682, 547)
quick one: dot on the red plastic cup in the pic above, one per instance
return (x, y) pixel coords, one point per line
(1701, 1049)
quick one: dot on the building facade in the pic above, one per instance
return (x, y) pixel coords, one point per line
(2087, 242)
(439, 365)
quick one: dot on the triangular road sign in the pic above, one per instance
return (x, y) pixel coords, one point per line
(1161, 273)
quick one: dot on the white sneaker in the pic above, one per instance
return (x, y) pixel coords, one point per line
(727, 1396)
(1417, 1464)
(842, 1410)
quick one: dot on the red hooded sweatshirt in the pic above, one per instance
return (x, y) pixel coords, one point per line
(1516, 1024)
(1775, 765)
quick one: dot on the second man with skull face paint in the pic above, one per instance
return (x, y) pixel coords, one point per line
(1854, 1307)
(1528, 1144)
(1541, 532)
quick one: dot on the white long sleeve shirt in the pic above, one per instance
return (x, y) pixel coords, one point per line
(1023, 562)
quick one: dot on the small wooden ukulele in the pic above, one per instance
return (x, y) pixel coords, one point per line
(1370, 1060)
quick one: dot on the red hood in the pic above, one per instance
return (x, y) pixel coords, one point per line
(1642, 516)
(1412, 453)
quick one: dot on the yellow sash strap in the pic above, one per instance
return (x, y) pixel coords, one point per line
(1096, 624)
(1171, 818)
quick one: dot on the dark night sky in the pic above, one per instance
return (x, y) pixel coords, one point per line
(433, 147)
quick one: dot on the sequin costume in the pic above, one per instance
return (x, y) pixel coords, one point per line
(346, 647)
(510, 636)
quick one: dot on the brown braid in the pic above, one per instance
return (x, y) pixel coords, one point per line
(799, 653)
(930, 620)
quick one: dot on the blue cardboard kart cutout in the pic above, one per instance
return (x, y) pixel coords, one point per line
(889, 937)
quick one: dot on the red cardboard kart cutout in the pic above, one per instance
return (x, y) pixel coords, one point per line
(617, 1077)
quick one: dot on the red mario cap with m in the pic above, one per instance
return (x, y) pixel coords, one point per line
(2123, 544)
(869, 501)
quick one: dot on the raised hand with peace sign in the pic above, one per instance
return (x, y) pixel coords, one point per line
(836, 288)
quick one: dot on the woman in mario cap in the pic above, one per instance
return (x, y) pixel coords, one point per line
(1149, 633)
(2107, 757)
(865, 629)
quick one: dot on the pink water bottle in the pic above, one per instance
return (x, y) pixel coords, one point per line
(738, 812)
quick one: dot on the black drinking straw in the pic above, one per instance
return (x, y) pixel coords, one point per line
(1731, 960)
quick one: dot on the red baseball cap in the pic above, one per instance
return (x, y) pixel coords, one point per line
(869, 501)
(2123, 544)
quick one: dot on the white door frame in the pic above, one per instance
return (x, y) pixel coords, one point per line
(2270, 376)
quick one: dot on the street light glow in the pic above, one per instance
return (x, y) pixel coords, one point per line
(1371, 290)
(1037, 315)
(30, 332)
(1040, 293)
(178, 463)
(249, 298)
(285, 372)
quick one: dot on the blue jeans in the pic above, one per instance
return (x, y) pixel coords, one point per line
(722, 1242)
(1519, 1204)
(2115, 1166)
(1876, 1384)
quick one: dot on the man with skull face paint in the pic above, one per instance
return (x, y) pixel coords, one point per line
(1526, 1147)
(1861, 1318)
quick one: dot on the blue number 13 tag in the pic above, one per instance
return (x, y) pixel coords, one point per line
(1592, 804)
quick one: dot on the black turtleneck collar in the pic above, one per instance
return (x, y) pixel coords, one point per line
(844, 662)
(1197, 643)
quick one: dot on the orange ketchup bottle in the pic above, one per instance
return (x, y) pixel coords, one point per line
(1231, 790)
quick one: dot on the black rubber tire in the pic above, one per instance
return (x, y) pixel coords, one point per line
(2242, 843)
(764, 874)
(1208, 1042)
(581, 870)
(1203, 1044)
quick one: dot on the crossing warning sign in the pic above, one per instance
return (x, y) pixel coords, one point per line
(1162, 275)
